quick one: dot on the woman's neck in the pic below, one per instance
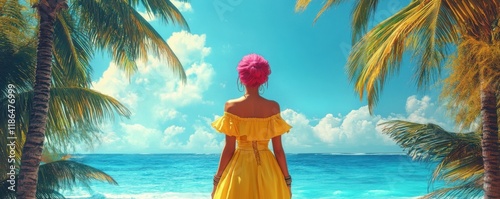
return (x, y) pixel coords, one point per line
(252, 91)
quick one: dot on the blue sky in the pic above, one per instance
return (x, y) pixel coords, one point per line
(308, 80)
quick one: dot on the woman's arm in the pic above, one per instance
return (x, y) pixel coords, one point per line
(225, 157)
(228, 151)
(227, 154)
(279, 153)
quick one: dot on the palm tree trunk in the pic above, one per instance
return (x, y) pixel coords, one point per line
(32, 150)
(490, 142)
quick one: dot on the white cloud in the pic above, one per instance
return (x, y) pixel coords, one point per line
(114, 83)
(136, 138)
(417, 108)
(200, 140)
(353, 131)
(182, 6)
(189, 47)
(154, 95)
(199, 79)
(140, 137)
(328, 129)
(154, 90)
(169, 114)
(299, 135)
(109, 138)
(169, 139)
(426, 111)
(358, 130)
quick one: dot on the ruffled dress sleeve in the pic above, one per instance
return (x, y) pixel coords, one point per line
(251, 128)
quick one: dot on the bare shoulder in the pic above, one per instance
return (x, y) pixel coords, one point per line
(230, 104)
(273, 106)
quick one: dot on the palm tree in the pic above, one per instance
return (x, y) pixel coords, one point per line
(112, 25)
(76, 110)
(428, 28)
(35, 137)
(458, 156)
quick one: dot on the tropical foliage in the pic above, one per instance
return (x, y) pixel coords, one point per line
(456, 156)
(464, 97)
(76, 111)
(427, 29)
(60, 175)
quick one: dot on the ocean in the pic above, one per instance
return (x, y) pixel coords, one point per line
(322, 176)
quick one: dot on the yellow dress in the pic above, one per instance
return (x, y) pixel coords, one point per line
(253, 172)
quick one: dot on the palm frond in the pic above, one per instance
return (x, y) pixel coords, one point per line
(17, 47)
(473, 188)
(361, 14)
(76, 113)
(301, 5)
(458, 155)
(430, 142)
(419, 26)
(474, 17)
(12, 21)
(74, 116)
(165, 9)
(72, 53)
(463, 97)
(15, 57)
(65, 174)
(117, 26)
(60, 175)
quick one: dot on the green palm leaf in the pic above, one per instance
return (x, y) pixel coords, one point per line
(17, 47)
(75, 116)
(361, 14)
(164, 9)
(117, 26)
(472, 188)
(61, 175)
(420, 27)
(301, 5)
(12, 21)
(463, 97)
(474, 17)
(65, 174)
(426, 29)
(72, 53)
(458, 155)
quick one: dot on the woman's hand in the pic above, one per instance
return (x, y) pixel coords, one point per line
(213, 191)
(290, 190)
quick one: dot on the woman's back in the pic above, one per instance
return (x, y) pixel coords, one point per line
(250, 106)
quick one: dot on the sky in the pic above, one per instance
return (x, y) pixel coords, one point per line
(308, 80)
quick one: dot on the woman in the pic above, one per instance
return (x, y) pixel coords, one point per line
(251, 170)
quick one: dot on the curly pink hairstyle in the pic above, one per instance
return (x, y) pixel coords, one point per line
(253, 70)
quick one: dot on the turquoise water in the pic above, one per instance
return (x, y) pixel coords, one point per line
(187, 176)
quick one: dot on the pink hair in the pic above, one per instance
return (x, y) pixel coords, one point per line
(253, 70)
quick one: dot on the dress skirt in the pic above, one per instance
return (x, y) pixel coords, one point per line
(252, 173)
